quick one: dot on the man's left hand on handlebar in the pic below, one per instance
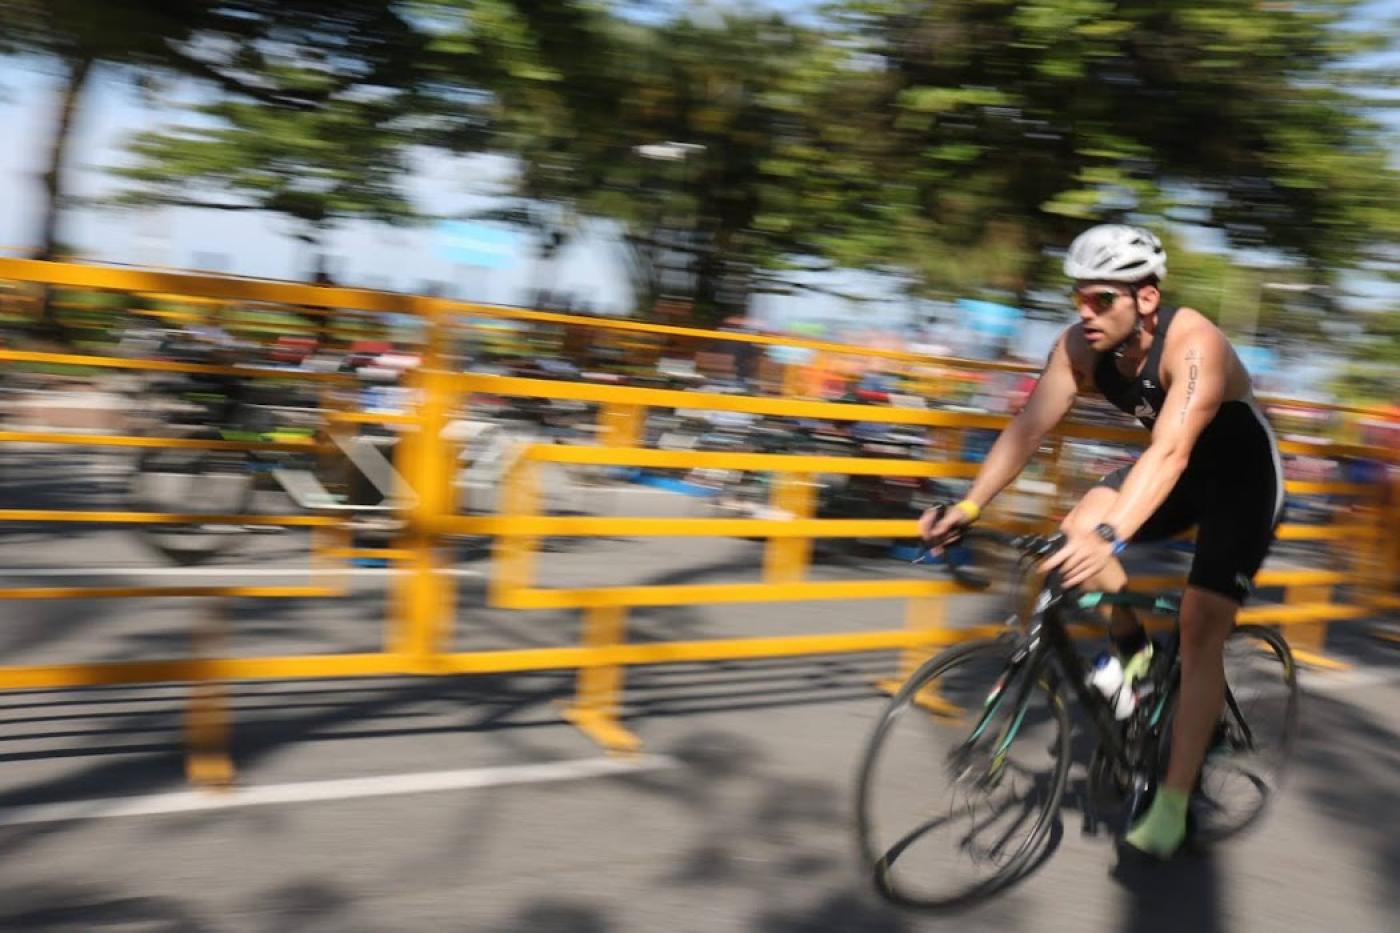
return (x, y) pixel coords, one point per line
(1083, 555)
(943, 525)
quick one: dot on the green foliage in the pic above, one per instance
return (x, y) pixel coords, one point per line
(1373, 372)
(1018, 123)
(963, 142)
(231, 43)
(340, 161)
(773, 165)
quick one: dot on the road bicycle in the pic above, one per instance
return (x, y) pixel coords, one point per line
(962, 779)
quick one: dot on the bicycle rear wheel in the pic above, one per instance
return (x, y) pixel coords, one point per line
(962, 777)
(1252, 747)
(192, 481)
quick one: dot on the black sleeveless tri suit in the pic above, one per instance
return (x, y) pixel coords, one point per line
(1232, 489)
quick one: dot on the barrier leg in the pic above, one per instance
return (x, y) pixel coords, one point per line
(785, 559)
(595, 709)
(398, 638)
(1308, 639)
(424, 598)
(513, 556)
(207, 760)
(417, 597)
(925, 618)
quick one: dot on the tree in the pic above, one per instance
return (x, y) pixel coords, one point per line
(1373, 372)
(342, 160)
(964, 142)
(1009, 126)
(708, 145)
(231, 43)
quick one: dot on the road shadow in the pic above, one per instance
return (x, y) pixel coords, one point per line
(61, 908)
(697, 689)
(1348, 768)
(556, 915)
(837, 913)
(1169, 897)
(266, 717)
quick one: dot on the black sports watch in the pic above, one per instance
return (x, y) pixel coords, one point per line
(1110, 534)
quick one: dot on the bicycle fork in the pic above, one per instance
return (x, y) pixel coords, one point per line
(1023, 670)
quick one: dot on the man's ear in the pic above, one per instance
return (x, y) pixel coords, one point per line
(1149, 298)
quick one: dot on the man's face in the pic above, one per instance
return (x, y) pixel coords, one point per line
(1108, 312)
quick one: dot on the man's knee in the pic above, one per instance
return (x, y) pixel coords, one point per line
(1090, 512)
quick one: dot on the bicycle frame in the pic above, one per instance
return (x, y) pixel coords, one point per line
(1047, 641)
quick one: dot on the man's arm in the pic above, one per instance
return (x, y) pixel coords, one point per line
(1199, 363)
(1049, 402)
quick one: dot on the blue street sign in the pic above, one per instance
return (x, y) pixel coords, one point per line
(472, 243)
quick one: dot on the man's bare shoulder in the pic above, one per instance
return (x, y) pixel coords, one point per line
(1194, 339)
(1191, 325)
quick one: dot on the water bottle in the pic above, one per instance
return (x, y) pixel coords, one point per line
(1106, 676)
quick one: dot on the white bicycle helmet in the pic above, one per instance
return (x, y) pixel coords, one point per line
(1116, 253)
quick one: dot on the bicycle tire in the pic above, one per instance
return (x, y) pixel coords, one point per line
(1255, 743)
(185, 545)
(881, 861)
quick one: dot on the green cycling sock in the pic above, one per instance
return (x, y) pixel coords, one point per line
(1162, 830)
(1136, 666)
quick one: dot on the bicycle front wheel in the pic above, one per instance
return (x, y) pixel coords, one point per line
(1253, 744)
(962, 777)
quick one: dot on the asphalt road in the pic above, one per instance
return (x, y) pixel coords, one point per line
(481, 810)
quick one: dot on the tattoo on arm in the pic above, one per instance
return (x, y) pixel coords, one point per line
(1193, 357)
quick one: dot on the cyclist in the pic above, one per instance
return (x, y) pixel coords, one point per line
(1212, 463)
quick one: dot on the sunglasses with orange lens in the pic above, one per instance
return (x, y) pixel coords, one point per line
(1099, 300)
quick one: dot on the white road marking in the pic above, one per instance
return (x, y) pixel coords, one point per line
(218, 572)
(386, 785)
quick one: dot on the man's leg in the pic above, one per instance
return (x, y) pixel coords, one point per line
(1206, 621)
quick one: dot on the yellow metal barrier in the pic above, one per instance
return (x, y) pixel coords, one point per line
(206, 722)
(168, 366)
(518, 528)
(422, 597)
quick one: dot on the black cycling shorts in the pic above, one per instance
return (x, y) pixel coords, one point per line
(1232, 493)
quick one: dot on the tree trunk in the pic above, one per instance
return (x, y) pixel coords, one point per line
(642, 273)
(722, 282)
(52, 181)
(314, 238)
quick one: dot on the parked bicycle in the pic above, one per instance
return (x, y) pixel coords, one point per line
(962, 780)
(199, 480)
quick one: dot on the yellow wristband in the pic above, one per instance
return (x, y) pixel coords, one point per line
(971, 509)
